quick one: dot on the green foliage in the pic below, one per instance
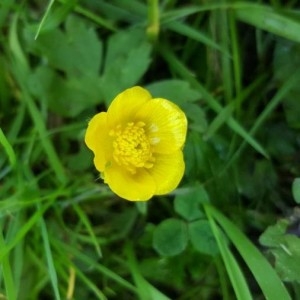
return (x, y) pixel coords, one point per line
(170, 237)
(130, 50)
(202, 237)
(285, 247)
(230, 230)
(286, 61)
(267, 18)
(188, 204)
(296, 189)
(77, 51)
(8, 148)
(261, 269)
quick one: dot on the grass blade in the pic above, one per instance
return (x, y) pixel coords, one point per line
(8, 149)
(89, 228)
(23, 231)
(100, 268)
(108, 24)
(234, 272)
(21, 69)
(145, 290)
(196, 35)
(286, 87)
(7, 273)
(89, 283)
(44, 18)
(266, 277)
(219, 120)
(49, 257)
(266, 18)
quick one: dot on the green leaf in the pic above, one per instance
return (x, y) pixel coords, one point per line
(66, 97)
(54, 16)
(197, 115)
(287, 259)
(181, 93)
(296, 190)
(127, 59)
(187, 204)
(266, 277)
(76, 51)
(170, 237)
(202, 237)
(285, 248)
(274, 235)
(175, 90)
(142, 207)
(85, 46)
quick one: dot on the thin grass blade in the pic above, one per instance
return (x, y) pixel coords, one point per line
(8, 149)
(49, 257)
(89, 228)
(196, 35)
(51, 2)
(98, 267)
(92, 287)
(11, 291)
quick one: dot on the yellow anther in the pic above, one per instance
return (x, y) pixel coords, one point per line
(132, 148)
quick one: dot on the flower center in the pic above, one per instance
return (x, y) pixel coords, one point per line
(132, 148)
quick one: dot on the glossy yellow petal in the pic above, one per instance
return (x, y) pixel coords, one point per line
(166, 125)
(134, 187)
(99, 141)
(125, 105)
(137, 144)
(167, 171)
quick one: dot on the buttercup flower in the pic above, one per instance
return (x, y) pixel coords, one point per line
(137, 144)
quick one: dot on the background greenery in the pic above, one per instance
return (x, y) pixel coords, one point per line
(231, 230)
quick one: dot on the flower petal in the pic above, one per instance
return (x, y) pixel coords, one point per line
(167, 171)
(98, 140)
(134, 187)
(166, 125)
(126, 104)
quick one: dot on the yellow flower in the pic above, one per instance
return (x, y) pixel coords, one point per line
(138, 144)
